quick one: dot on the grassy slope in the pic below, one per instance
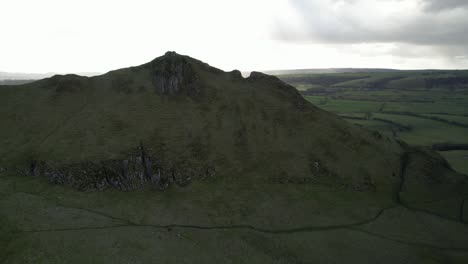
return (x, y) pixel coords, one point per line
(231, 222)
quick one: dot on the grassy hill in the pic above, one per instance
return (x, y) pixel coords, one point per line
(187, 116)
(387, 80)
(176, 161)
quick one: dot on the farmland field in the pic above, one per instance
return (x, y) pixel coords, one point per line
(419, 107)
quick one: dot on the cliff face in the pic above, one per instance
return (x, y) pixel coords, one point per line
(177, 119)
(138, 170)
(173, 75)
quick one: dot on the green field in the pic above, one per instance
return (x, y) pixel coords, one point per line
(219, 222)
(426, 132)
(419, 107)
(458, 159)
(458, 119)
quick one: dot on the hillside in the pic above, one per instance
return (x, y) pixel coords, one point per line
(245, 163)
(330, 83)
(195, 118)
(327, 71)
(34, 76)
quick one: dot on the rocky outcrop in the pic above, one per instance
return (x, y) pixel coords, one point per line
(136, 171)
(173, 75)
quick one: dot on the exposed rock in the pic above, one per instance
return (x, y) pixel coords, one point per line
(173, 75)
(134, 172)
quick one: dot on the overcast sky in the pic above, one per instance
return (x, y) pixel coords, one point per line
(98, 36)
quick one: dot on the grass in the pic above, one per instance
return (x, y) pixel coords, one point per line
(60, 225)
(455, 118)
(426, 132)
(379, 126)
(458, 159)
(422, 108)
(346, 106)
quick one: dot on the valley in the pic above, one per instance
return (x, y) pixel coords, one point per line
(420, 107)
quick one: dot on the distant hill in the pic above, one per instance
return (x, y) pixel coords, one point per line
(12, 78)
(24, 76)
(328, 70)
(326, 83)
(15, 82)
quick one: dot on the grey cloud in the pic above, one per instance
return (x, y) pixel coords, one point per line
(444, 5)
(351, 22)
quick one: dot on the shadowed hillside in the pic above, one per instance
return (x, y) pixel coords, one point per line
(184, 118)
